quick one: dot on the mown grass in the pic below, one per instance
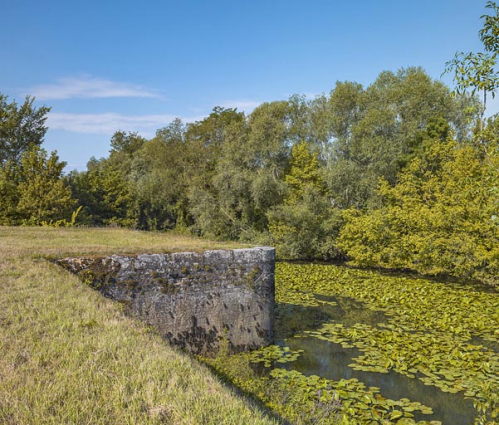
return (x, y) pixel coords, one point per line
(69, 356)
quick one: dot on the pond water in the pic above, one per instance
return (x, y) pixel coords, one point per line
(330, 360)
(396, 349)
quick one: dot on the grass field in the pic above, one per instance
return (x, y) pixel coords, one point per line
(69, 356)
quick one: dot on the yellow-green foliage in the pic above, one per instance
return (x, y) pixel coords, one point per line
(305, 225)
(441, 217)
(304, 172)
(69, 356)
(32, 191)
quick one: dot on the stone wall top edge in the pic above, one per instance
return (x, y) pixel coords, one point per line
(265, 253)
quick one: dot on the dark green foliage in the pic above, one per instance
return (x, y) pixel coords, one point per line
(20, 127)
(127, 143)
(305, 225)
(375, 129)
(103, 192)
(247, 179)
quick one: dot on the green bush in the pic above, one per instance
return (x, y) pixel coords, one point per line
(441, 217)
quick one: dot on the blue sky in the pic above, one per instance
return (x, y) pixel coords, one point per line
(109, 65)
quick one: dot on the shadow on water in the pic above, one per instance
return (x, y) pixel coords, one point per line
(442, 279)
(291, 319)
(330, 360)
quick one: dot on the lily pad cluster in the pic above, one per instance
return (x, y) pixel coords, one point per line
(413, 302)
(361, 404)
(313, 399)
(442, 334)
(273, 353)
(429, 334)
(448, 363)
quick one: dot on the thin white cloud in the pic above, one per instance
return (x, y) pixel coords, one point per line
(108, 123)
(88, 87)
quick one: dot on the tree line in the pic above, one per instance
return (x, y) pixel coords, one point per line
(401, 173)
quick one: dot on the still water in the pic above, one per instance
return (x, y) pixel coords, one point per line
(330, 360)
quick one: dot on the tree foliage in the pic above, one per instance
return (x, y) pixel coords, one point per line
(304, 226)
(441, 217)
(302, 174)
(20, 127)
(32, 190)
(376, 128)
(477, 71)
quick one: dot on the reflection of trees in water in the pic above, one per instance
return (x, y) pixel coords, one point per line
(291, 319)
(330, 360)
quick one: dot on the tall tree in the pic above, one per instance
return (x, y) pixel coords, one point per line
(159, 177)
(305, 225)
(20, 127)
(247, 178)
(33, 191)
(128, 143)
(104, 190)
(375, 129)
(441, 217)
(211, 130)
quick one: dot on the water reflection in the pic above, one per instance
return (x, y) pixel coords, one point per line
(331, 360)
(291, 319)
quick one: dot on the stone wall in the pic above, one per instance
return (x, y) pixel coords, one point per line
(193, 299)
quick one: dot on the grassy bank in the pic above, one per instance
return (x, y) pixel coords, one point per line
(68, 355)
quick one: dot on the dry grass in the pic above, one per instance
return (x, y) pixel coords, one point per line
(49, 241)
(69, 356)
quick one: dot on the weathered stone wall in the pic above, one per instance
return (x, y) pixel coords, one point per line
(193, 299)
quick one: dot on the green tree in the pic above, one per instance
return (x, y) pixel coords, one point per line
(441, 217)
(477, 71)
(375, 130)
(34, 192)
(305, 225)
(9, 197)
(208, 142)
(221, 202)
(128, 143)
(20, 127)
(104, 191)
(304, 171)
(247, 178)
(159, 178)
(211, 130)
